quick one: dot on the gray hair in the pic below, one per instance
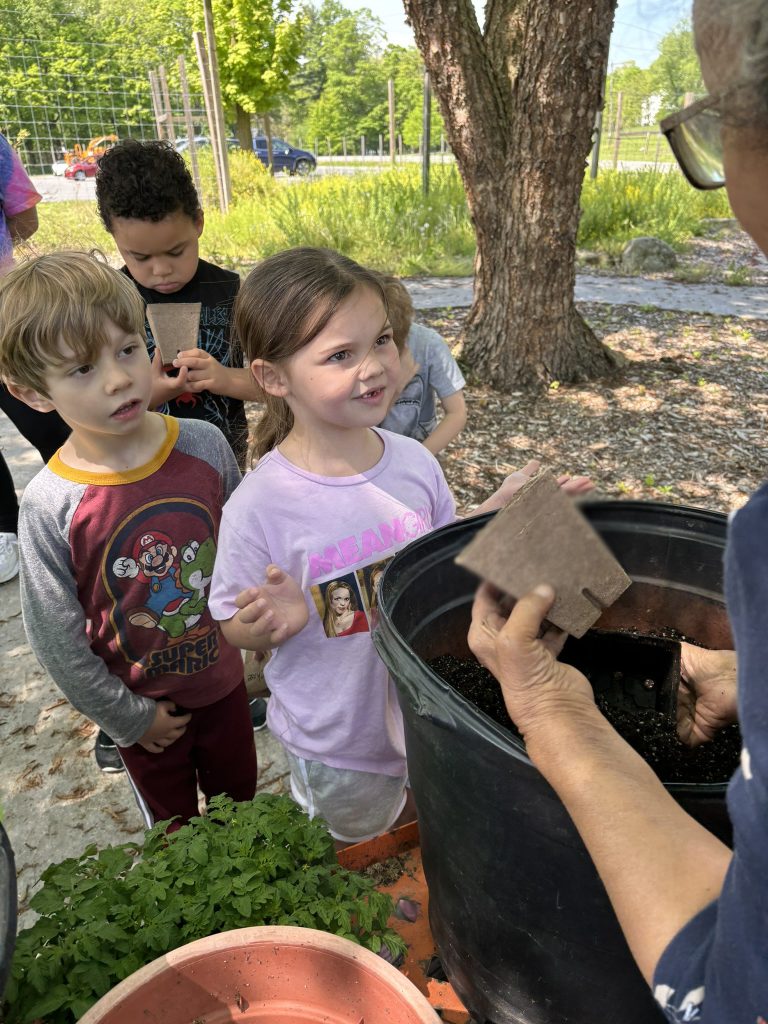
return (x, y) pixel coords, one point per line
(741, 28)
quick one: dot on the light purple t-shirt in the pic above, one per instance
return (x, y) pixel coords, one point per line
(332, 698)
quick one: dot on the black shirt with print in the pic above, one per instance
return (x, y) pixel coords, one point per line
(215, 289)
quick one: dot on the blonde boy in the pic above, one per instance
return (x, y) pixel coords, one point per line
(118, 537)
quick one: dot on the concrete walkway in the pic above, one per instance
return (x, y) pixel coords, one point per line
(716, 299)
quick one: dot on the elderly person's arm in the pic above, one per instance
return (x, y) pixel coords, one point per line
(658, 865)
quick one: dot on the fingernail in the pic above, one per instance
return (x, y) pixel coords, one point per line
(544, 590)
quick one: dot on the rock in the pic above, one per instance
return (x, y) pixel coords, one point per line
(648, 254)
(710, 225)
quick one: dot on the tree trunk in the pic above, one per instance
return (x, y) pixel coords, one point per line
(519, 104)
(244, 135)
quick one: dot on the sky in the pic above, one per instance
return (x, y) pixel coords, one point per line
(638, 27)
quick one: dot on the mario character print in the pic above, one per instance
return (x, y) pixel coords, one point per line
(157, 569)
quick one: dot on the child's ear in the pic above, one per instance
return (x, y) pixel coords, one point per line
(270, 378)
(31, 398)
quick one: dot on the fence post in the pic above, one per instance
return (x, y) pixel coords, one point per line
(154, 89)
(220, 140)
(617, 139)
(362, 146)
(598, 133)
(190, 126)
(425, 135)
(391, 102)
(205, 78)
(166, 97)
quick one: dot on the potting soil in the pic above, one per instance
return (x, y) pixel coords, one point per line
(651, 732)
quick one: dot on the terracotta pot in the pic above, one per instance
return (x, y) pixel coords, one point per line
(269, 975)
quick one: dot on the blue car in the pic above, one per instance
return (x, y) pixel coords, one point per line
(284, 157)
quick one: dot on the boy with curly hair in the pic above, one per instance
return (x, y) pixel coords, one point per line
(118, 538)
(148, 203)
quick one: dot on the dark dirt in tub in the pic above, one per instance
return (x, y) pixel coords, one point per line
(635, 680)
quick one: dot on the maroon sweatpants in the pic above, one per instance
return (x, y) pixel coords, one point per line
(217, 751)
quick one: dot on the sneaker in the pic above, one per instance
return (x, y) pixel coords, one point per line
(9, 557)
(258, 709)
(107, 757)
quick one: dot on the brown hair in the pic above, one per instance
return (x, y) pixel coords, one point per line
(64, 297)
(282, 305)
(399, 307)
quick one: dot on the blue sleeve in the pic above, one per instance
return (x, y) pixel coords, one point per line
(715, 970)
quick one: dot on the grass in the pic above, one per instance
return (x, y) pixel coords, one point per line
(620, 205)
(384, 221)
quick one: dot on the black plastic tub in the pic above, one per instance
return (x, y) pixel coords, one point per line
(521, 920)
(7, 908)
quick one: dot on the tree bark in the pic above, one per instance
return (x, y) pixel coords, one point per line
(519, 102)
(244, 136)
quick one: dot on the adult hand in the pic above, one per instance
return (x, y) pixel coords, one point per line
(276, 610)
(573, 485)
(706, 699)
(523, 659)
(204, 371)
(165, 388)
(165, 729)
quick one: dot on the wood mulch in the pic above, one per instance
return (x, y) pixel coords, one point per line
(684, 421)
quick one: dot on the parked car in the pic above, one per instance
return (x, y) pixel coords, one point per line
(58, 167)
(81, 169)
(284, 157)
(201, 140)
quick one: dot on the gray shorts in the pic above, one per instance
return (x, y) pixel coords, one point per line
(355, 805)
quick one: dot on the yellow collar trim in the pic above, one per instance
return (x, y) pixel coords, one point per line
(130, 476)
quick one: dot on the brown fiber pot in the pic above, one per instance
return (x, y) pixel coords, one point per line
(269, 975)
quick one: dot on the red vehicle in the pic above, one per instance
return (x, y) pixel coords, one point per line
(83, 161)
(81, 169)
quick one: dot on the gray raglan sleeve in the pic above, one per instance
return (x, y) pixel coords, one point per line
(55, 621)
(206, 441)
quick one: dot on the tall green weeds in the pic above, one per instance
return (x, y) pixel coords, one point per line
(620, 205)
(383, 220)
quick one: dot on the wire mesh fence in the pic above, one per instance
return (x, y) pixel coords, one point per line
(53, 101)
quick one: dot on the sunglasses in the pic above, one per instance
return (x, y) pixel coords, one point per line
(694, 137)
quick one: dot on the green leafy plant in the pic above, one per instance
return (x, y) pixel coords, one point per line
(107, 913)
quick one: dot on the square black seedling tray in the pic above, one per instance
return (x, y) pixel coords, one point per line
(626, 670)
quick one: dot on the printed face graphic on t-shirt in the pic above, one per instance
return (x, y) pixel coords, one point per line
(348, 604)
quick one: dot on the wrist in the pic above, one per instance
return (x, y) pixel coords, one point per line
(568, 737)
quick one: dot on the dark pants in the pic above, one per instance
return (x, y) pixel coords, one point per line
(217, 751)
(45, 431)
